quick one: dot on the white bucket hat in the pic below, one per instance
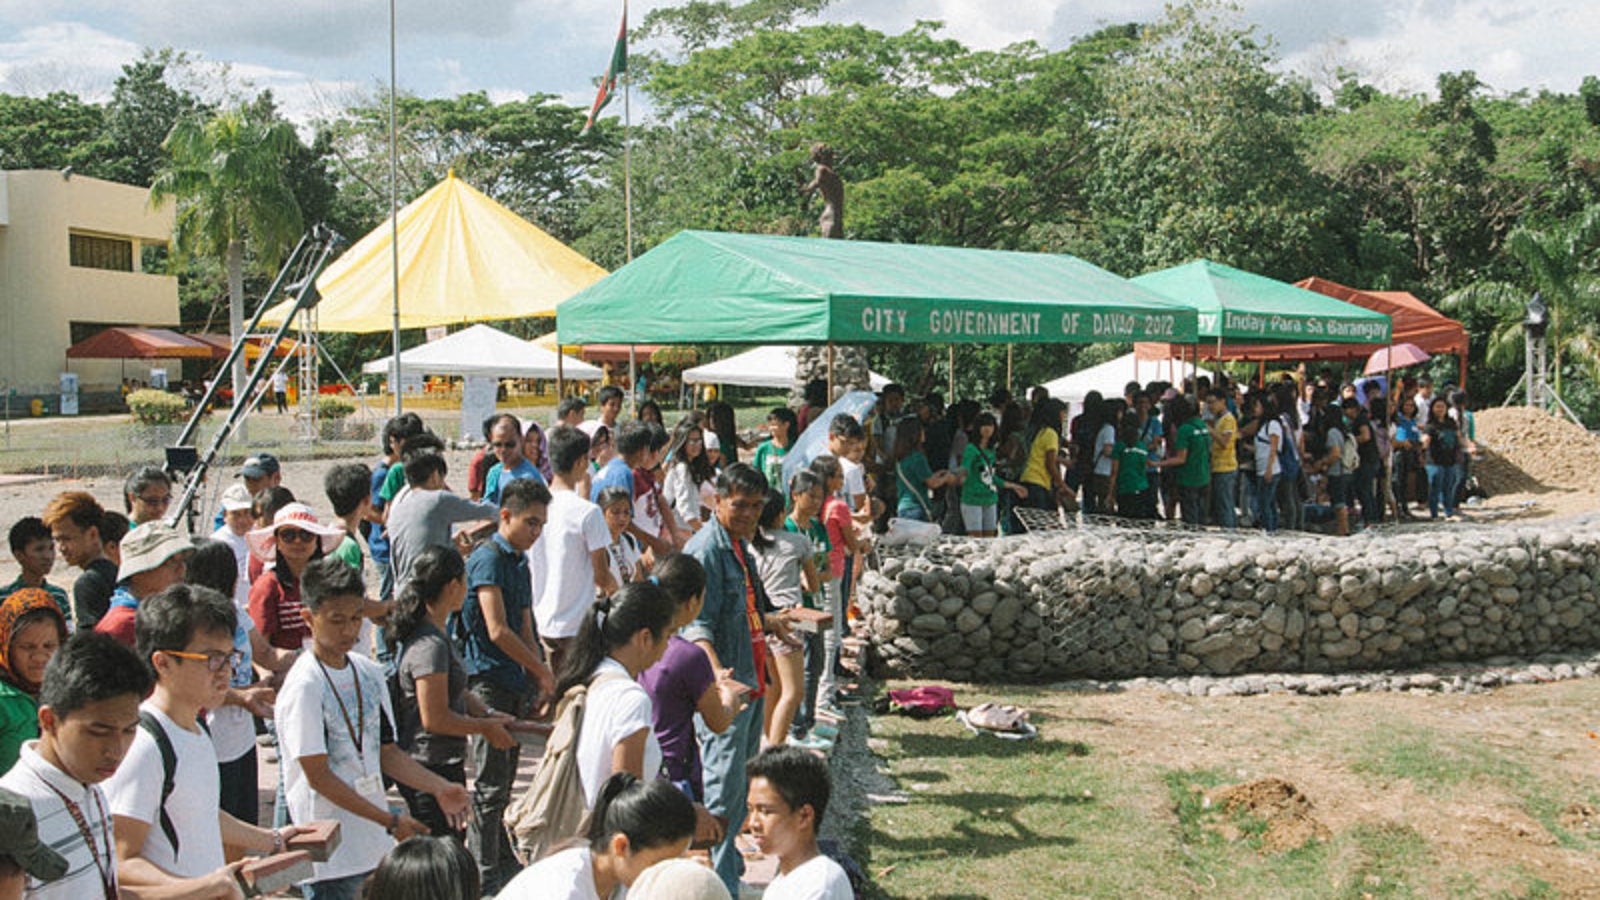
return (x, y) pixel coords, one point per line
(235, 498)
(148, 546)
(264, 543)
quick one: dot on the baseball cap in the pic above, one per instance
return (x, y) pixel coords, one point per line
(259, 466)
(148, 546)
(236, 497)
(19, 838)
(712, 442)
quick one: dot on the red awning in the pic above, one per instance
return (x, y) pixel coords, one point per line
(221, 344)
(616, 352)
(123, 342)
(1414, 322)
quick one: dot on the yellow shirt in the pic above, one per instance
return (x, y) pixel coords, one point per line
(1035, 472)
(1224, 434)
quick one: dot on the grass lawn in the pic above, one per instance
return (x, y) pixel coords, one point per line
(1414, 796)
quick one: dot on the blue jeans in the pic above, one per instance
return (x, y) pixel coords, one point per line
(833, 641)
(1224, 490)
(1190, 504)
(1366, 481)
(1441, 490)
(1267, 502)
(724, 757)
(346, 888)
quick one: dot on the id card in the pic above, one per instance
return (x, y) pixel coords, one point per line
(370, 787)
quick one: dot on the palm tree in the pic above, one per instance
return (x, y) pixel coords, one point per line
(1560, 262)
(227, 174)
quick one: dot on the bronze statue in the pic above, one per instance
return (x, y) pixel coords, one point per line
(832, 188)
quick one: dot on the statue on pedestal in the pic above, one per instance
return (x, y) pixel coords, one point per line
(811, 363)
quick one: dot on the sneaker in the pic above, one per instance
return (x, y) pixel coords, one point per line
(828, 710)
(825, 731)
(811, 742)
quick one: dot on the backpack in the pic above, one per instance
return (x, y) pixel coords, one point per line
(553, 807)
(1350, 452)
(1288, 457)
(169, 768)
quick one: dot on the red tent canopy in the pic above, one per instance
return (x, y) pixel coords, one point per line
(221, 345)
(123, 342)
(1413, 322)
(616, 352)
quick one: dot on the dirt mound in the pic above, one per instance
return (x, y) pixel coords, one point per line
(1580, 817)
(1277, 805)
(1528, 449)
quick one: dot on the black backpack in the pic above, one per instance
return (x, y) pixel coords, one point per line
(169, 768)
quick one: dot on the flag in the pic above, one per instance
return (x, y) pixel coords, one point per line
(619, 65)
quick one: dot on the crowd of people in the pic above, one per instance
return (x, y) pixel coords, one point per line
(1302, 453)
(603, 556)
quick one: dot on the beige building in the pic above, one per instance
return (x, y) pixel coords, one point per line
(76, 255)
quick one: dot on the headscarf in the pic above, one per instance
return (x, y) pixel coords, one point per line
(12, 611)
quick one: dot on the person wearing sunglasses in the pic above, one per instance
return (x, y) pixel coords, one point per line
(293, 540)
(505, 441)
(166, 814)
(154, 557)
(146, 494)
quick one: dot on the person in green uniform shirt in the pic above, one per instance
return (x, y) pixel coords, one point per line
(783, 425)
(980, 489)
(1130, 475)
(1192, 459)
(32, 627)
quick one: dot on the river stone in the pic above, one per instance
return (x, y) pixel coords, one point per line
(929, 625)
(1192, 630)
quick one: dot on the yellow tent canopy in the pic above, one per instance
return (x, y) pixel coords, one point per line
(463, 258)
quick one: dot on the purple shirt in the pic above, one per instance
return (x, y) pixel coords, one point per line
(675, 685)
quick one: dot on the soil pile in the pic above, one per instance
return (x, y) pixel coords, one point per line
(1527, 448)
(1279, 806)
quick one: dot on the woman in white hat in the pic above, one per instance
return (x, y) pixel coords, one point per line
(290, 543)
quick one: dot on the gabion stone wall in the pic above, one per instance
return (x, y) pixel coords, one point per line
(1109, 603)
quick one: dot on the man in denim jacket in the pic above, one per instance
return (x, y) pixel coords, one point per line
(734, 601)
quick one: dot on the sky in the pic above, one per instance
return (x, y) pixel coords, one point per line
(319, 55)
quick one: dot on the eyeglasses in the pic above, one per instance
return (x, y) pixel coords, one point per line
(295, 536)
(162, 500)
(505, 445)
(215, 662)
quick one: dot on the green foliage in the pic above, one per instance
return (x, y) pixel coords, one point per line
(50, 132)
(333, 407)
(144, 108)
(152, 407)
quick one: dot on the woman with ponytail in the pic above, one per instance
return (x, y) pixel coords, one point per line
(619, 638)
(635, 824)
(436, 711)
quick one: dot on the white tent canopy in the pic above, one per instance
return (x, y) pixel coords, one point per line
(1109, 378)
(482, 350)
(770, 366)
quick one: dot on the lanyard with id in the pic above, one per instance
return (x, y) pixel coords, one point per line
(369, 785)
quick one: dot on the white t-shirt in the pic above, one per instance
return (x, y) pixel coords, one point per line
(855, 482)
(134, 792)
(574, 529)
(617, 708)
(280, 381)
(1263, 447)
(568, 875)
(241, 556)
(311, 723)
(233, 729)
(39, 781)
(818, 878)
(1103, 443)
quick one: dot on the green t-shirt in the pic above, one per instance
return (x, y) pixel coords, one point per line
(1131, 462)
(1196, 469)
(980, 487)
(913, 476)
(349, 550)
(769, 462)
(19, 723)
(392, 482)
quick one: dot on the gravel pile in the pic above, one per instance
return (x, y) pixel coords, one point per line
(1527, 448)
(1112, 603)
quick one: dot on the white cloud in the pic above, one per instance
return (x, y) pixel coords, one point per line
(65, 56)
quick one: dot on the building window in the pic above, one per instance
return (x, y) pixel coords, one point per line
(90, 252)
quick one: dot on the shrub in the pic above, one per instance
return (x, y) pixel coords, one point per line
(151, 407)
(332, 406)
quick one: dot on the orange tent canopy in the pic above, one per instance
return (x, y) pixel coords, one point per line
(1413, 321)
(125, 342)
(221, 344)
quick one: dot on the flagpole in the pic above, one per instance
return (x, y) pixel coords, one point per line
(394, 217)
(627, 198)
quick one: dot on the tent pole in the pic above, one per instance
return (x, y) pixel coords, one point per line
(394, 216)
(951, 365)
(1261, 377)
(633, 377)
(561, 374)
(831, 373)
(1009, 348)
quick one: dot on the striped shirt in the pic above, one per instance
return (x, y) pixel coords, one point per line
(39, 781)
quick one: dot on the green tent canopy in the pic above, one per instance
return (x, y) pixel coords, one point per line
(1240, 306)
(707, 287)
